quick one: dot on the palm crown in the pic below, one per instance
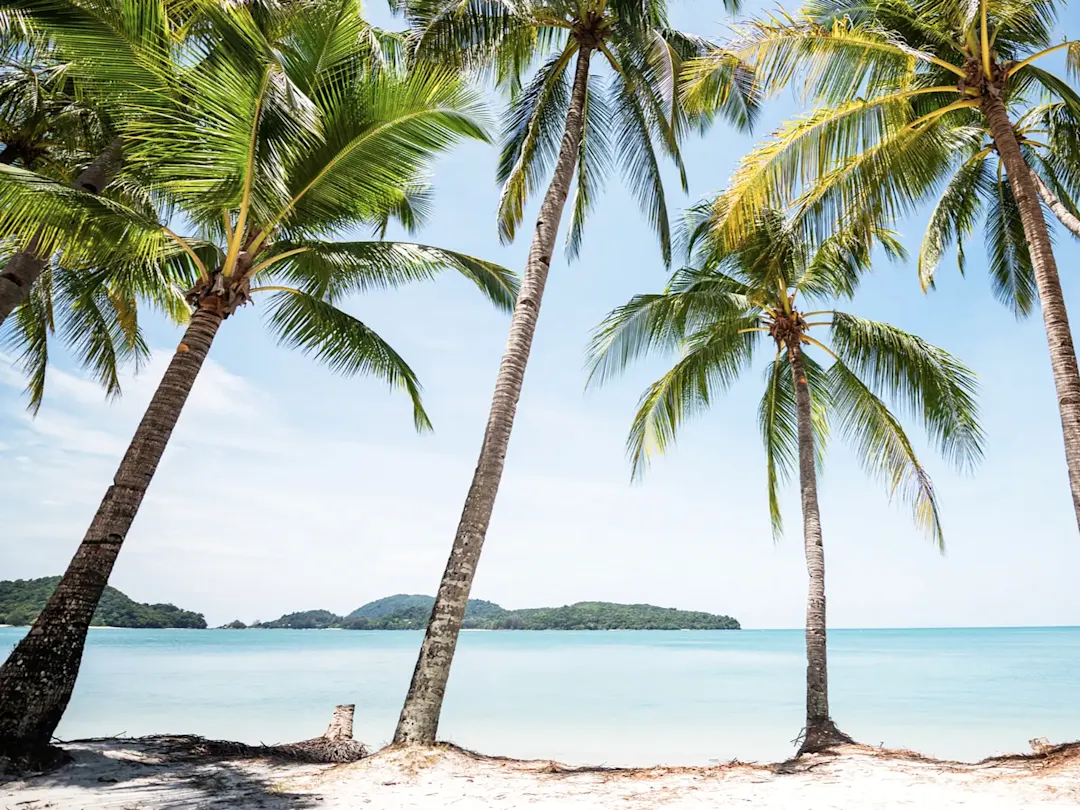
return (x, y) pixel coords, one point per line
(627, 120)
(716, 313)
(53, 126)
(268, 145)
(901, 82)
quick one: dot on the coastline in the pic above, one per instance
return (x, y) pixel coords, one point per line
(156, 774)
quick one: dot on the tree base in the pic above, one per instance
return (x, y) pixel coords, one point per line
(821, 736)
(22, 759)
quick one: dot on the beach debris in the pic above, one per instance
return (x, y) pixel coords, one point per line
(1040, 745)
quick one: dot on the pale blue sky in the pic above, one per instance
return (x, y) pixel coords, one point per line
(287, 488)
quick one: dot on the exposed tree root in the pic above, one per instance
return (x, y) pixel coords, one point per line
(821, 736)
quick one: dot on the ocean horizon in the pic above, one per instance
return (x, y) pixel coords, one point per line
(634, 697)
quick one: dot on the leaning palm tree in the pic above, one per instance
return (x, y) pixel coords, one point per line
(906, 86)
(716, 314)
(279, 145)
(566, 122)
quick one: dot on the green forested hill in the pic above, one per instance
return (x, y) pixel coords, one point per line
(411, 611)
(22, 599)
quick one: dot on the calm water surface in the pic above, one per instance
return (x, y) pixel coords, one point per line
(590, 697)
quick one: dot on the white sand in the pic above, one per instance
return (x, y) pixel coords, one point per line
(136, 775)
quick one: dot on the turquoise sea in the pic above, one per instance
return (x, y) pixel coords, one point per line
(591, 697)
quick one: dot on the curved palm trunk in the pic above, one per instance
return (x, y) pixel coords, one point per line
(1064, 215)
(1055, 318)
(820, 732)
(38, 677)
(23, 269)
(419, 719)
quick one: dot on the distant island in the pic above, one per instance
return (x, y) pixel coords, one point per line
(21, 600)
(411, 612)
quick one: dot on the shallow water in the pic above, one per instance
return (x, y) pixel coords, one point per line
(591, 697)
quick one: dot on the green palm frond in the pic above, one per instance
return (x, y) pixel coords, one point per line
(344, 343)
(594, 161)
(331, 42)
(100, 327)
(86, 228)
(883, 447)
(333, 270)
(120, 49)
(889, 179)
(1012, 273)
(719, 83)
(712, 361)
(803, 152)
(376, 137)
(652, 323)
(499, 35)
(27, 335)
(633, 142)
(531, 137)
(929, 382)
(837, 267)
(836, 62)
(955, 215)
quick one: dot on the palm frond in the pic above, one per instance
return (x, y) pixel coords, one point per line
(712, 360)
(661, 322)
(1012, 273)
(929, 382)
(883, 447)
(531, 139)
(344, 343)
(634, 151)
(955, 216)
(333, 270)
(594, 161)
(28, 332)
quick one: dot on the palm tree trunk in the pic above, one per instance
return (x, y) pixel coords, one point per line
(820, 732)
(1064, 215)
(1055, 318)
(38, 677)
(23, 269)
(419, 719)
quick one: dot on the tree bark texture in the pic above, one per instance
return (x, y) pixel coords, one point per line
(1055, 317)
(419, 721)
(23, 269)
(820, 732)
(1064, 215)
(38, 677)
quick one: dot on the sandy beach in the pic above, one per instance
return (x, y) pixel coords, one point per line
(153, 774)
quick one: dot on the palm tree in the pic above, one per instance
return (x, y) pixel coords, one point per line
(56, 121)
(283, 138)
(907, 87)
(566, 122)
(50, 125)
(715, 314)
